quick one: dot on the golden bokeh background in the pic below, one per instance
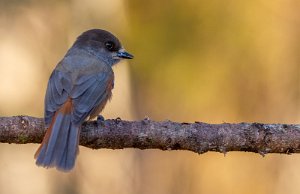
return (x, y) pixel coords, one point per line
(211, 61)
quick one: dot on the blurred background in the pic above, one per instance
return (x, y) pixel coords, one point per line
(211, 61)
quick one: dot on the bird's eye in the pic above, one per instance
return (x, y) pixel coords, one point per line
(109, 45)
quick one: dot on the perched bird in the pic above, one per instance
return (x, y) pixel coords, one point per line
(78, 89)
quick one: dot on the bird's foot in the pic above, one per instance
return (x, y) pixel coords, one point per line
(100, 120)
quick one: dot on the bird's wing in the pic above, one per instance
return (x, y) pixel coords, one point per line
(58, 89)
(89, 92)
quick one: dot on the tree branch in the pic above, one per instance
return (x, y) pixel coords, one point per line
(166, 135)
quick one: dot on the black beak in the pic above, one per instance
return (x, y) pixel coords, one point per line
(124, 55)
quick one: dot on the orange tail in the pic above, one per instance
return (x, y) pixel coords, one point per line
(60, 144)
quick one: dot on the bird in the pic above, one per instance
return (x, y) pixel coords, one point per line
(78, 89)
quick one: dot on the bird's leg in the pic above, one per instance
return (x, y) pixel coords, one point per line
(100, 120)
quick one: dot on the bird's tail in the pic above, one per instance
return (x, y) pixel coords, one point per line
(60, 145)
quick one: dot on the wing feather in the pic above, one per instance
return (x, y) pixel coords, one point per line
(92, 92)
(87, 91)
(57, 93)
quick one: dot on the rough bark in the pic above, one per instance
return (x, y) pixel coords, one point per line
(165, 135)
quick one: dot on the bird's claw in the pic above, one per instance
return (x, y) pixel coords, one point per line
(100, 120)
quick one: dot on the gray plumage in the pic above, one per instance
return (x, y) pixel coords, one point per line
(78, 88)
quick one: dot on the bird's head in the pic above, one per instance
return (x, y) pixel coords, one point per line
(103, 45)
